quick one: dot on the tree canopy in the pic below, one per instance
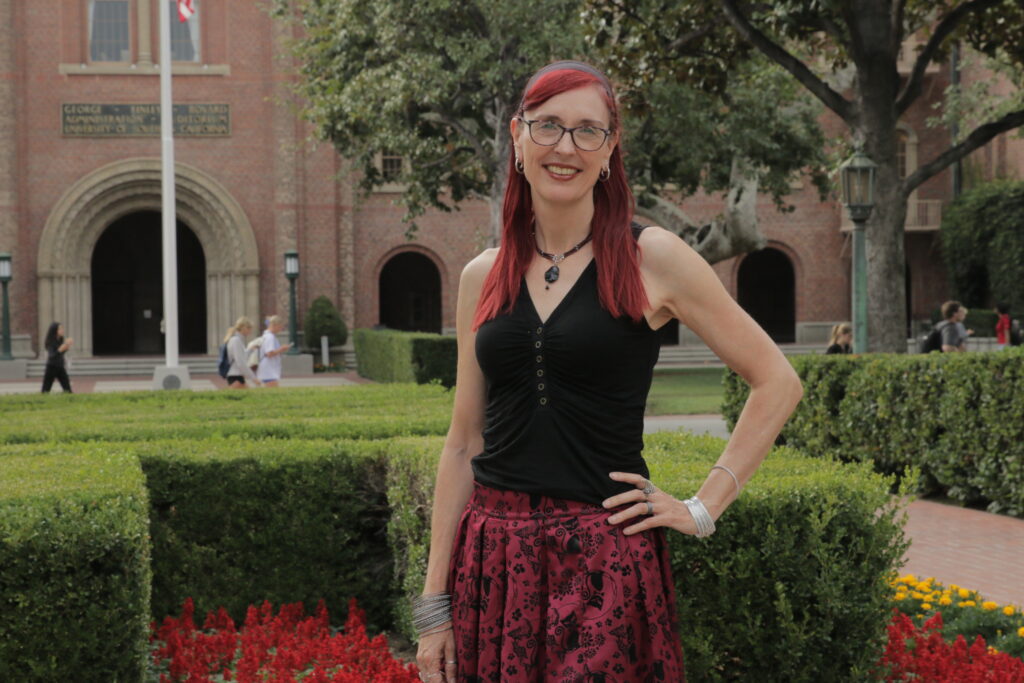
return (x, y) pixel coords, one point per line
(435, 82)
(847, 55)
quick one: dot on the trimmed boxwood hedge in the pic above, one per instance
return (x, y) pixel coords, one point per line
(235, 522)
(370, 411)
(393, 356)
(74, 565)
(953, 418)
(792, 587)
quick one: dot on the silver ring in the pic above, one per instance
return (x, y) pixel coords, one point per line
(648, 487)
(650, 507)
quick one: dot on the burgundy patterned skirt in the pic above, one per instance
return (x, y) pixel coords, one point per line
(545, 589)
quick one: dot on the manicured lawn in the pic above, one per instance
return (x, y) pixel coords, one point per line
(686, 391)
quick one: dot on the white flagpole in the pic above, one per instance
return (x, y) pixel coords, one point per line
(170, 251)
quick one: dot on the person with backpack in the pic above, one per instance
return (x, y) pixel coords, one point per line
(233, 355)
(954, 334)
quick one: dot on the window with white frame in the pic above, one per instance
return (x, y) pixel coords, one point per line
(391, 166)
(109, 32)
(184, 34)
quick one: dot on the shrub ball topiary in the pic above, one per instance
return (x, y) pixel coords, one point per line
(323, 319)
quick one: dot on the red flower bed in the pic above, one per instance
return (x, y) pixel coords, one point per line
(922, 655)
(274, 649)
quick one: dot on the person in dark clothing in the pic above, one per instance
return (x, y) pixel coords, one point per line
(839, 342)
(56, 346)
(541, 485)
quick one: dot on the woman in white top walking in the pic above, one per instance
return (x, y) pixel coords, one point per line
(240, 370)
(269, 371)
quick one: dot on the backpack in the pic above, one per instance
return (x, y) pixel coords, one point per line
(1015, 336)
(933, 340)
(223, 363)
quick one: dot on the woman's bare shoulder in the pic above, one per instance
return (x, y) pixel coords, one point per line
(663, 251)
(477, 269)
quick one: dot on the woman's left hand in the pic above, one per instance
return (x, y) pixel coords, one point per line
(648, 510)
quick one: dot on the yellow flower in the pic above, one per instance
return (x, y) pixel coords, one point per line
(945, 600)
(916, 595)
(964, 593)
(1020, 632)
(1008, 610)
(926, 605)
(992, 650)
(900, 596)
(988, 605)
(967, 603)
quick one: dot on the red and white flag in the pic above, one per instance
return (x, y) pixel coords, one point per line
(185, 10)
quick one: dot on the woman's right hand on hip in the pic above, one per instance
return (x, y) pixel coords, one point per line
(436, 657)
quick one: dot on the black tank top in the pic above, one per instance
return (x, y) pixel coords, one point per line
(566, 397)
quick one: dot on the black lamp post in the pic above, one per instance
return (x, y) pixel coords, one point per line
(5, 277)
(858, 173)
(291, 271)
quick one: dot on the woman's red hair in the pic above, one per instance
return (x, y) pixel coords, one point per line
(620, 288)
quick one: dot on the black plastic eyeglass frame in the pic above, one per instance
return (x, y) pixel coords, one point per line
(570, 131)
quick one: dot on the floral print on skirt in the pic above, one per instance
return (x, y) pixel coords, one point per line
(545, 589)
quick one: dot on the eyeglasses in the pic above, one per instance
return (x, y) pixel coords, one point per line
(549, 134)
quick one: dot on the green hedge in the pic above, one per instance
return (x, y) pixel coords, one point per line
(74, 565)
(236, 522)
(393, 356)
(364, 412)
(792, 587)
(955, 417)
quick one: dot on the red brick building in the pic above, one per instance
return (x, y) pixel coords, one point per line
(80, 194)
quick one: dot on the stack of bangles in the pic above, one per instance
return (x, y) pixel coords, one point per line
(700, 514)
(432, 613)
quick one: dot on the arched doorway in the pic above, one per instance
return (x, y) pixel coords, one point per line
(127, 288)
(410, 293)
(767, 291)
(128, 188)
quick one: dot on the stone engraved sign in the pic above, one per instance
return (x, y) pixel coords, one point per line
(141, 120)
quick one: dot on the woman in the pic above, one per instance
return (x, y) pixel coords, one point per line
(541, 489)
(270, 350)
(840, 340)
(56, 346)
(239, 371)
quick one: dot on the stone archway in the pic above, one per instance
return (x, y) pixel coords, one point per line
(766, 286)
(116, 190)
(410, 293)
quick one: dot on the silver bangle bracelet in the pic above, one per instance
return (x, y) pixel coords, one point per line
(431, 611)
(732, 474)
(701, 517)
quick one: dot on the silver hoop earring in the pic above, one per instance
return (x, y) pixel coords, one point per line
(519, 166)
(604, 174)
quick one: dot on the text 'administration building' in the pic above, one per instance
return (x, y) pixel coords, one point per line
(80, 195)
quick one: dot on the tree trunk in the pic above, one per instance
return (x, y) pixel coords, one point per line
(498, 119)
(875, 128)
(732, 233)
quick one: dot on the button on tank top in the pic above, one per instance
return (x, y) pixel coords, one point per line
(565, 396)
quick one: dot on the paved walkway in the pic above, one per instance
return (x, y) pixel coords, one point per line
(973, 549)
(88, 385)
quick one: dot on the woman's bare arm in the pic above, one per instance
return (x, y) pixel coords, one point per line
(454, 482)
(680, 284)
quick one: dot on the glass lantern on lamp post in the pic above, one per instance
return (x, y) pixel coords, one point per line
(5, 325)
(291, 271)
(858, 176)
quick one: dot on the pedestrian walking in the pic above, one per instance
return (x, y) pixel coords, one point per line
(270, 350)
(840, 339)
(239, 372)
(56, 368)
(548, 557)
(1003, 326)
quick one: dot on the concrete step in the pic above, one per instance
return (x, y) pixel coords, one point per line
(125, 366)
